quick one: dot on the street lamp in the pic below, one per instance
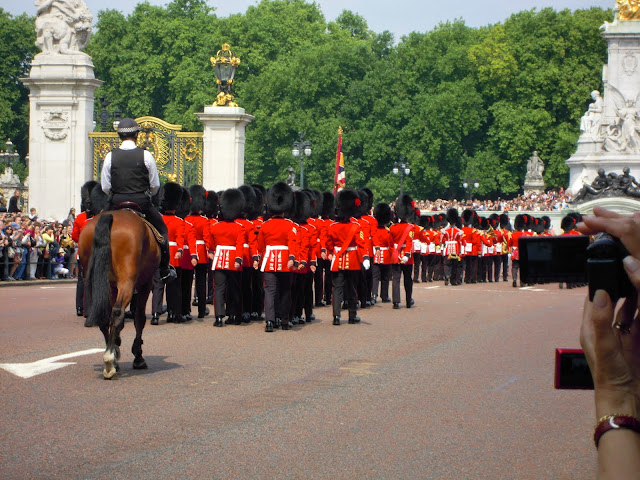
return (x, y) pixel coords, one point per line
(8, 155)
(469, 184)
(401, 169)
(301, 149)
(225, 64)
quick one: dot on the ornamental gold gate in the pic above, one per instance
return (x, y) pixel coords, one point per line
(178, 154)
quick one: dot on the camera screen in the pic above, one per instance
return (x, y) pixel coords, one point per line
(553, 259)
(572, 370)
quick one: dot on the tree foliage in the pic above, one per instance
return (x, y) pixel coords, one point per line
(455, 101)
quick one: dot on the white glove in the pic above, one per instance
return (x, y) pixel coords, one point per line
(405, 259)
(366, 264)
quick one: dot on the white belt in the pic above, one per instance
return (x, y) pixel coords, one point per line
(379, 248)
(351, 249)
(199, 242)
(185, 247)
(219, 250)
(246, 245)
(173, 244)
(269, 250)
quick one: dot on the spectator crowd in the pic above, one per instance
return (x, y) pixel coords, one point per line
(553, 200)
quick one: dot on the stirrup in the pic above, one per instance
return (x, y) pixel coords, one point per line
(170, 276)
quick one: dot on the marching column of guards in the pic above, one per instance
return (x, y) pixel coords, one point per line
(275, 254)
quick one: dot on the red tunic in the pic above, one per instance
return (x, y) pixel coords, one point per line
(403, 235)
(347, 243)
(277, 244)
(226, 240)
(452, 242)
(78, 224)
(175, 226)
(250, 248)
(513, 244)
(382, 246)
(185, 261)
(196, 236)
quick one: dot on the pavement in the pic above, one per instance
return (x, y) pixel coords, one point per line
(458, 387)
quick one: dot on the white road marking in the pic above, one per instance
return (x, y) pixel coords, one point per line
(431, 288)
(505, 384)
(28, 370)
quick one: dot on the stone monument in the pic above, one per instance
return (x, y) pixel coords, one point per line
(533, 181)
(224, 129)
(610, 129)
(62, 86)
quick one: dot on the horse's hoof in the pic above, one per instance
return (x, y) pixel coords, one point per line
(109, 374)
(139, 364)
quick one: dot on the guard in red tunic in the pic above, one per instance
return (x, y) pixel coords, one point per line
(323, 285)
(382, 248)
(278, 249)
(503, 250)
(307, 241)
(346, 248)
(451, 247)
(211, 208)
(197, 245)
(256, 216)
(226, 244)
(471, 244)
(519, 225)
(185, 262)
(371, 224)
(403, 234)
(80, 221)
(250, 251)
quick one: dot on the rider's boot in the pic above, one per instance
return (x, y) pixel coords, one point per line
(167, 272)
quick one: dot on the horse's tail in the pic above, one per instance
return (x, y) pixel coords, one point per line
(98, 274)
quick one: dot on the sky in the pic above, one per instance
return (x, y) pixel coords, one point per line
(399, 16)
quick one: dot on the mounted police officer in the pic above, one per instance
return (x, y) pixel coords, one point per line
(129, 174)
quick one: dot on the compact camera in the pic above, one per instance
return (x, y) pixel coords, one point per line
(572, 259)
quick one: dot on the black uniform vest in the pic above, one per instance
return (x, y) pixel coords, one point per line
(129, 174)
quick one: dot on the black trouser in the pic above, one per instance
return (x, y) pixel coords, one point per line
(201, 287)
(174, 295)
(323, 281)
(277, 295)
(157, 293)
(381, 276)
(515, 268)
(80, 289)
(297, 294)
(227, 292)
(497, 263)
(185, 287)
(209, 280)
(424, 266)
(471, 269)
(257, 289)
(505, 266)
(344, 289)
(417, 261)
(247, 290)
(451, 270)
(398, 270)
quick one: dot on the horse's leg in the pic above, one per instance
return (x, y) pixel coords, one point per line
(140, 320)
(123, 296)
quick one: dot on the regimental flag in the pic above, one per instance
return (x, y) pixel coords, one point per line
(340, 180)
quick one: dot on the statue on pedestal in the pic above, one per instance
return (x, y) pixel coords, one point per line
(62, 26)
(609, 185)
(623, 135)
(535, 167)
(590, 121)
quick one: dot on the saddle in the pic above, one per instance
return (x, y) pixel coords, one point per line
(135, 208)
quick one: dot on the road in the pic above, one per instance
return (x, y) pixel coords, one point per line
(460, 386)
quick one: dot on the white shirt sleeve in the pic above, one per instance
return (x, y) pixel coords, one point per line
(154, 179)
(105, 176)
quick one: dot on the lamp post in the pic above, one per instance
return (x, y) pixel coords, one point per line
(469, 184)
(225, 64)
(401, 168)
(301, 149)
(8, 155)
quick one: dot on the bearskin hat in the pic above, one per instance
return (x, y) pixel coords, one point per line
(250, 200)
(328, 205)
(301, 206)
(404, 207)
(261, 193)
(232, 204)
(484, 223)
(468, 216)
(211, 204)
(546, 222)
(453, 216)
(425, 221)
(184, 205)
(567, 224)
(316, 203)
(280, 199)
(504, 220)
(493, 221)
(171, 195)
(369, 194)
(85, 195)
(382, 213)
(98, 200)
(363, 209)
(348, 203)
(520, 222)
(198, 195)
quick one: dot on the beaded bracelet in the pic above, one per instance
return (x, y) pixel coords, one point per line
(614, 422)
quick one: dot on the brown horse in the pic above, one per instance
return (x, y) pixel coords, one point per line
(120, 255)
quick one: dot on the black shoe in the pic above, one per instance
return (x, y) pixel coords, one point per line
(218, 322)
(295, 321)
(515, 285)
(287, 325)
(154, 319)
(386, 300)
(232, 320)
(246, 317)
(320, 304)
(416, 280)
(210, 300)
(195, 301)
(355, 319)
(79, 312)
(310, 318)
(446, 283)
(188, 317)
(169, 274)
(202, 315)
(255, 317)
(336, 320)
(269, 326)
(277, 323)
(87, 323)
(128, 314)
(396, 305)
(411, 303)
